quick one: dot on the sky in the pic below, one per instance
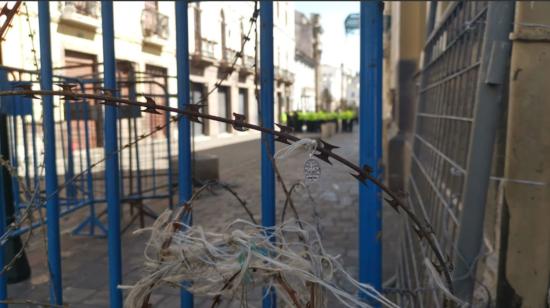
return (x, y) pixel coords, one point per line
(337, 47)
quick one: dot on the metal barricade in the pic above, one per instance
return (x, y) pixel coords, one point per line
(459, 101)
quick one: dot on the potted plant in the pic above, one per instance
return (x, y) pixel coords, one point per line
(347, 118)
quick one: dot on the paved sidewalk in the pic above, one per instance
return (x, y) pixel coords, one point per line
(85, 273)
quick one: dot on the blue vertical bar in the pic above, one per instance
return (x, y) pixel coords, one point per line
(3, 206)
(111, 164)
(184, 132)
(3, 202)
(370, 143)
(52, 204)
(268, 144)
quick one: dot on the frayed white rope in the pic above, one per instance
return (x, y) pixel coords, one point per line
(308, 145)
(226, 264)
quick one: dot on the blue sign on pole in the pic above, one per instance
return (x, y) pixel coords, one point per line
(351, 23)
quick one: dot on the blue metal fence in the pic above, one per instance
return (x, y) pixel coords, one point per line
(81, 188)
(370, 143)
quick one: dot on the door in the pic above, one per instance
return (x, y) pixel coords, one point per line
(157, 90)
(83, 115)
(197, 95)
(224, 108)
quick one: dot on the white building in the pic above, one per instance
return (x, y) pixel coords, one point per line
(340, 87)
(305, 66)
(145, 45)
(145, 50)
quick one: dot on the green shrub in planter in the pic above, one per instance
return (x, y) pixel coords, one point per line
(347, 118)
(284, 118)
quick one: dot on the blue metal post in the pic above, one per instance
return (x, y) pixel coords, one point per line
(268, 143)
(52, 204)
(370, 143)
(185, 188)
(3, 206)
(111, 163)
(3, 202)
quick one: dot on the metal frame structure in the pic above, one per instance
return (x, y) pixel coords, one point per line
(52, 205)
(460, 97)
(370, 134)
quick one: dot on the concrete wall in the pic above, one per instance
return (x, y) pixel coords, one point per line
(525, 258)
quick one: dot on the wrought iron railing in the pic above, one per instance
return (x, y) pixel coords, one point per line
(87, 8)
(154, 23)
(208, 48)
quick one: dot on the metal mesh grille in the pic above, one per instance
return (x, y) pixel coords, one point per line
(444, 119)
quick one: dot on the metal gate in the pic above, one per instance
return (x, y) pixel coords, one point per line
(59, 125)
(80, 161)
(459, 99)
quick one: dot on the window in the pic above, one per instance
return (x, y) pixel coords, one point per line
(153, 5)
(88, 8)
(85, 115)
(153, 22)
(224, 108)
(243, 102)
(280, 104)
(157, 90)
(196, 96)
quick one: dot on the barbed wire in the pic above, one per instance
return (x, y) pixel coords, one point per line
(31, 36)
(363, 174)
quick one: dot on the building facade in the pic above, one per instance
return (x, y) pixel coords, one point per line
(307, 63)
(145, 49)
(340, 88)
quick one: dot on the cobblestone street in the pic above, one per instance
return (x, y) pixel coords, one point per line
(335, 198)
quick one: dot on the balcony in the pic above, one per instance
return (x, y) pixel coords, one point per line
(205, 55)
(154, 27)
(278, 74)
(249, 61)
(229, 55)
(82, 14)
(248, 66)
(288, 77)
(208, 48)
(226, 65)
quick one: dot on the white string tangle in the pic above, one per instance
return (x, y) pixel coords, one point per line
(308, 145)
(242, 257)
(436, 278)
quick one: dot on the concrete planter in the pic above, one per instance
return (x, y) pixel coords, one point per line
(328, 129)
